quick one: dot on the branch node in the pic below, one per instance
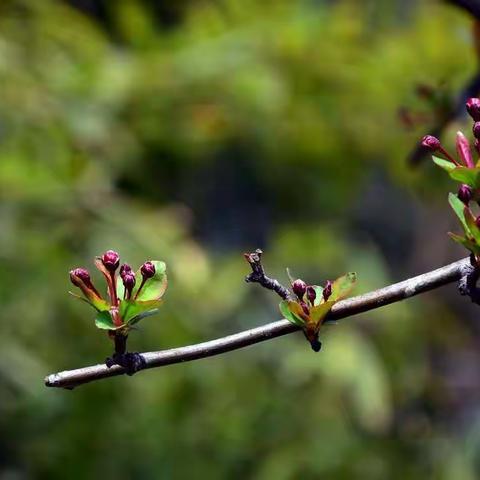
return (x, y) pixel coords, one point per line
(467, 285)
(132, 362)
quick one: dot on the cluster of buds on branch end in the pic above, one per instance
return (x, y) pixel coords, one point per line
(126, 303)
(313, 303)
(465, 170)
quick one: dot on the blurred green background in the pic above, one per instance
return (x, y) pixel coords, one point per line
(192, 131)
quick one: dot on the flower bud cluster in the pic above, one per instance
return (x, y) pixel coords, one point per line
(108, 263)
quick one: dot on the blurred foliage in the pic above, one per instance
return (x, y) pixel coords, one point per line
(191, 133)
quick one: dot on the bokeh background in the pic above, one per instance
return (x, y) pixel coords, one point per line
(192, 131)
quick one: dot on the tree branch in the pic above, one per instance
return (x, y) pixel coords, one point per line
(345, 308)
(258, 275)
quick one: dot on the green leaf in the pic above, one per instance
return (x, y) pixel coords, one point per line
(458, 207)
(104, 321)
(445, 164)
(154, 287)
(286, 307)
(472, 226)
(470, 176)
(120, 287)
(318, 294)
(342, 286)
(130, 309)
(143, 315)
(468, 244)
(318, 313)
(83, 299)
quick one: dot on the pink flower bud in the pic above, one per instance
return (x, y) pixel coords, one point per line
(305, 308)
(463, 150)
(80, 274)
(81, 279)
(476, 131)
(147, 270)
(327, 290)
(124, 269)
(111, 260)
(128, 282)
(473, 108)
(311, 294)
(299, 288)
(465, 193)
(430, 142)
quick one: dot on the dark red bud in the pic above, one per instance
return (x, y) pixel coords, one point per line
(305, 308)
(111, 260)
(430, 142)
(128, 281)
(82, 274)
(311, 294)
(477, 221)
(81, 278)
(124, 269)
(473, 108)
(465, 193)
(147, 270)
(299, 288)
(327, 290)
(476, 130)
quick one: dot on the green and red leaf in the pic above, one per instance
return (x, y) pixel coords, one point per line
(342, 286)
(290, 309)
(318, 313)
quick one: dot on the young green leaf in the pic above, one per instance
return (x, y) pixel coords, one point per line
(318, 294)
(470, 176)
(286, 307)
(318, 313)
(154, 287)
(99, 305)
(445, 164)
(468, 244)
(458, 206)
(342, 286)
(142, 315)
(130, 309)
(104, 321)
(472, 226)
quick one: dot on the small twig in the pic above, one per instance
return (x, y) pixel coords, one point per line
(258, 275)
(345, 308)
